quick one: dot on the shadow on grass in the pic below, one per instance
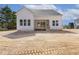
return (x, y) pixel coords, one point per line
(21, 34)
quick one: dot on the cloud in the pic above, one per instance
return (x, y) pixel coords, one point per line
(70, 14)
(44, 6)
(60, 11)
(41, 6)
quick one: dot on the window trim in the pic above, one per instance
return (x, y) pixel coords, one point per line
(29, 22)
(55, 23)
(25, 24)
(21, 22)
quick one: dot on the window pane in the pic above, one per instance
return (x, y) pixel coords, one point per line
(24, 22)
(21, 22)
(56, 22)
(28, 22)
(53, 23)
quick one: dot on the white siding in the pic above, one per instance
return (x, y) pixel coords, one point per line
(25, 14)
(60, 25)
(76, 23)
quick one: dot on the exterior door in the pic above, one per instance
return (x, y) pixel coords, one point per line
(41, 24)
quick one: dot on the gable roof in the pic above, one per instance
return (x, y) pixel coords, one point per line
(42, 11)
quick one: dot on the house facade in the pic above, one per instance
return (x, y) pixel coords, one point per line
(76, 23)
(38, 19)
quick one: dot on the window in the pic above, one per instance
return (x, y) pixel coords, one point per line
(53, 23)
(43, 24)
(28, 22)
(56, 22)
(21, 22)
(24, 22)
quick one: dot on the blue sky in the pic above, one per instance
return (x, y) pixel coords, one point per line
(69, 11)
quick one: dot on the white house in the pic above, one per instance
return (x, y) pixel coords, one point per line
(38, 19)
(76, 23)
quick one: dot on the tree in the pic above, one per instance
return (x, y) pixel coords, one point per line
(12, 23)
(1, 18)
(66, 27)
(8, 18)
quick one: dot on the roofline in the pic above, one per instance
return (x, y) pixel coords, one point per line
(31, 11)
(58, 12)
(22, 8)
(19, 10)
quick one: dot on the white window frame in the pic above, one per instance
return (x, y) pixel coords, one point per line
(21, 22)
(25, 22)
(29, 23)
(55, 23)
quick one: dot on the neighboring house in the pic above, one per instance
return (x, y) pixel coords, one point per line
(0, 14)
(76, 23)
(38, 19)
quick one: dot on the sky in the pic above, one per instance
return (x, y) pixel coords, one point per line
(69, 11)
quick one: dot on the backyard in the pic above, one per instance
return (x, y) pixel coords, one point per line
(65, 42)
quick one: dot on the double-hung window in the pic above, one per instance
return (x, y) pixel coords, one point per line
(21, 22)
(24, 22)
(29, 22)
(55, 23)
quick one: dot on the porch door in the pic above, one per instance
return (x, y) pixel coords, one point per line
(41, 24)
